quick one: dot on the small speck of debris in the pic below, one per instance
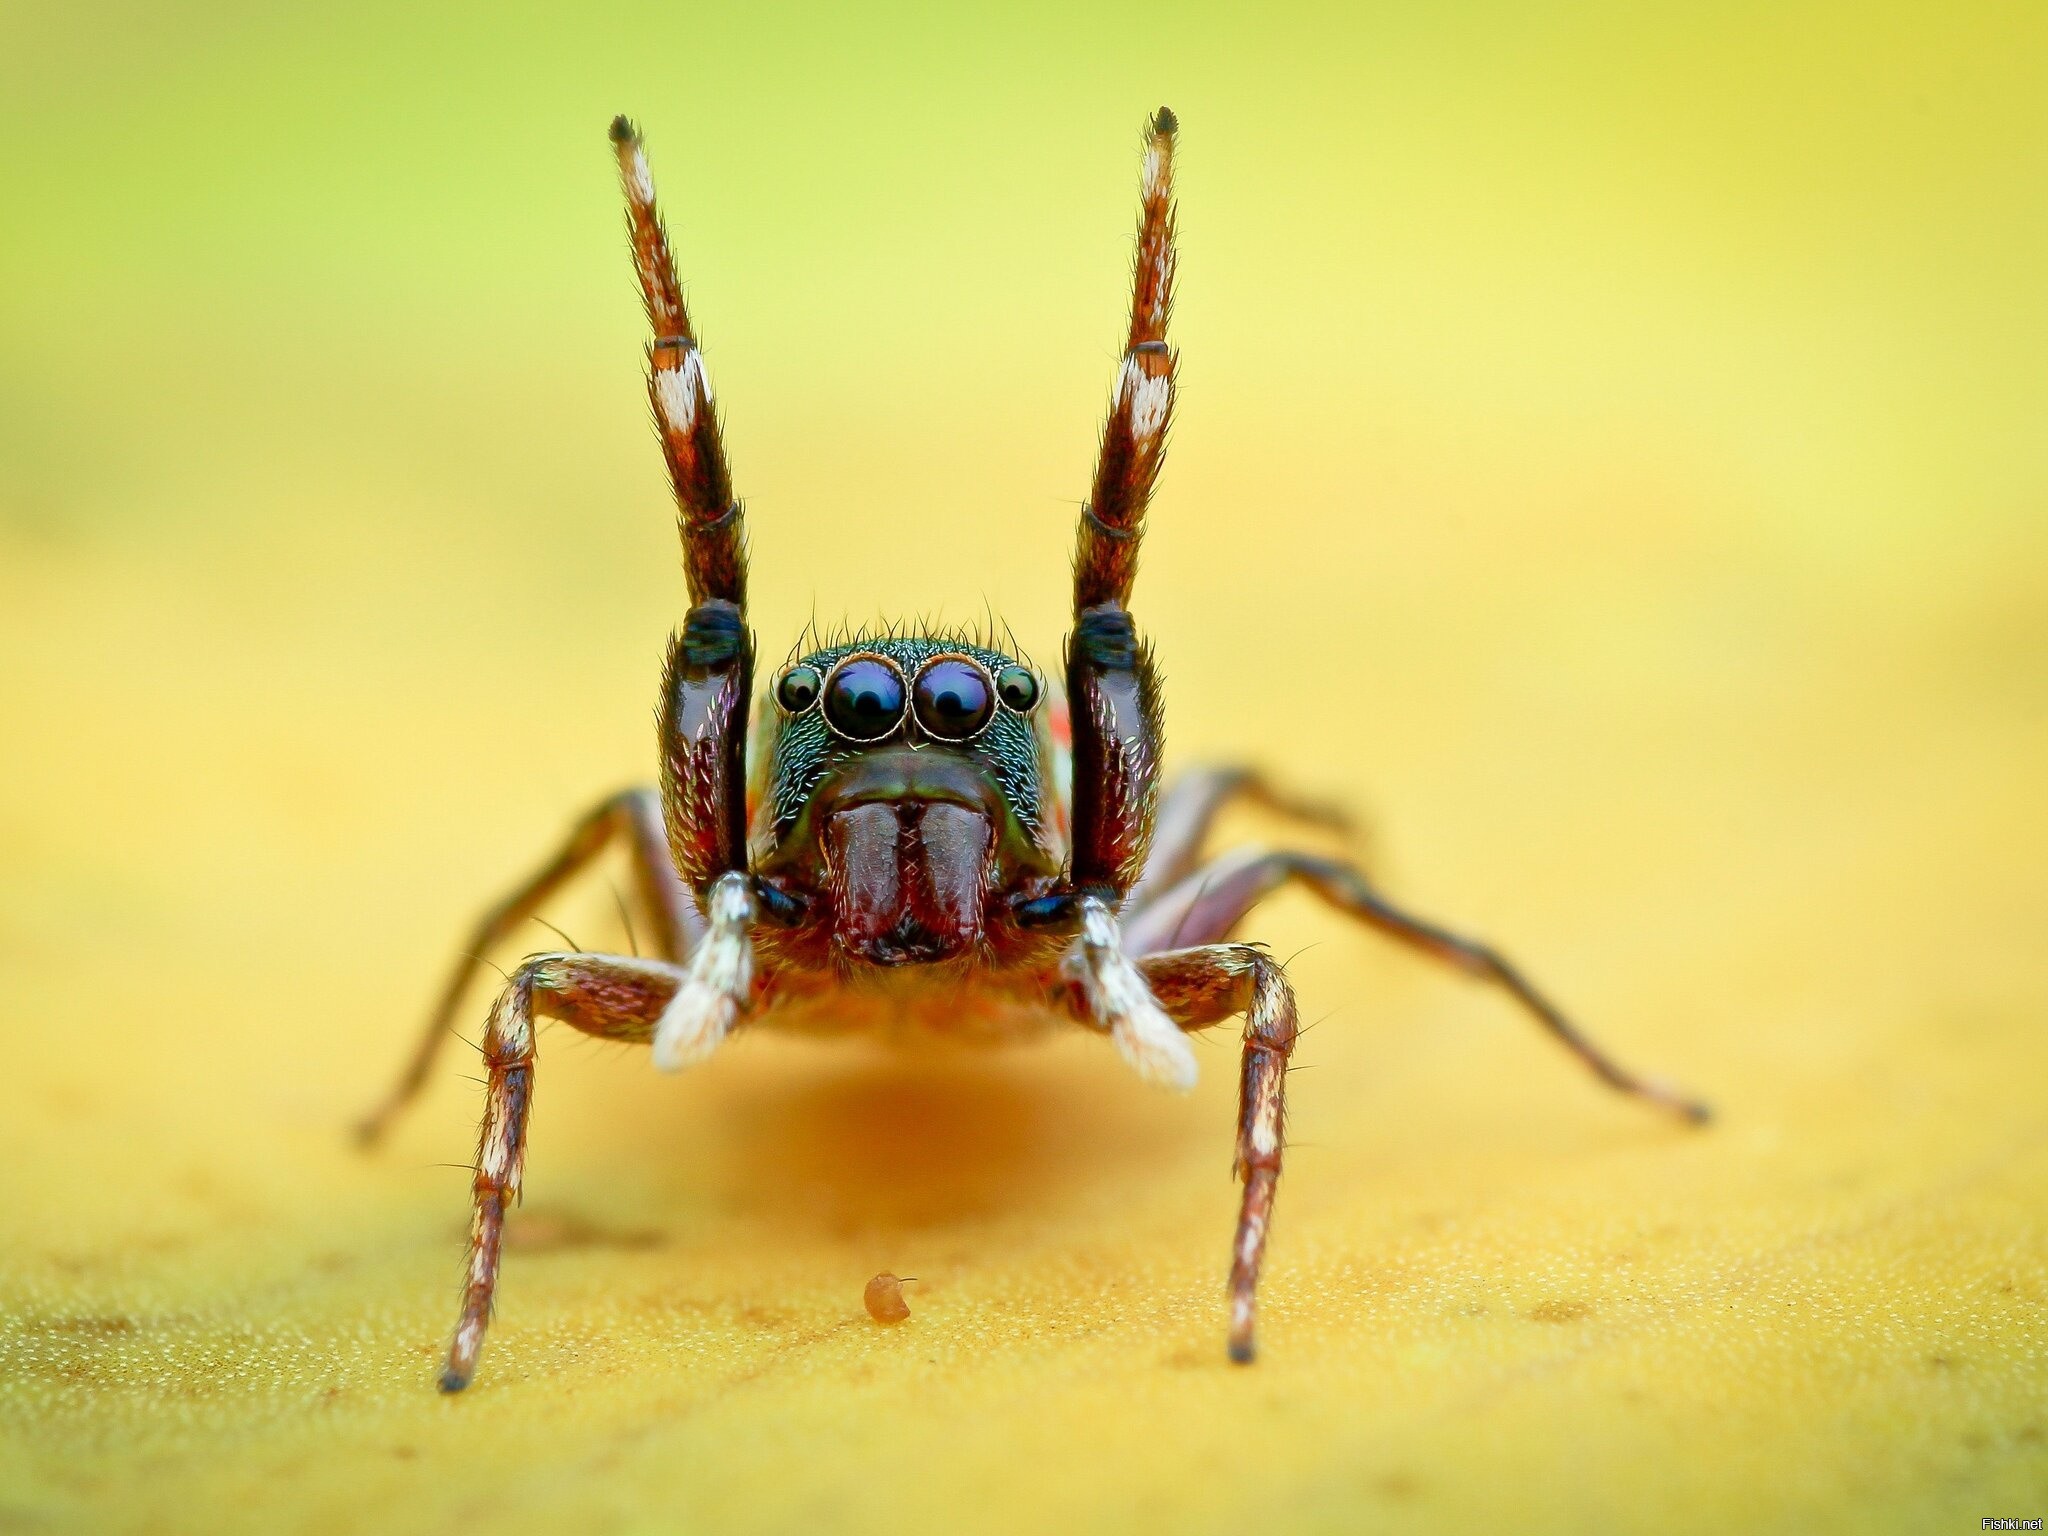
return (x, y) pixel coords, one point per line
(884, 1299)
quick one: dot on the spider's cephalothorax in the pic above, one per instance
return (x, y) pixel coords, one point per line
(901, 788)
(926, 835)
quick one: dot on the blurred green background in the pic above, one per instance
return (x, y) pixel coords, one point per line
(1611, 455)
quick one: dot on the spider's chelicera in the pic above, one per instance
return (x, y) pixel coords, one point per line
(920, 836)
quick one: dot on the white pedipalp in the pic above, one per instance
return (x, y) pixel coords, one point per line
(1120, 1001)
(721, 974)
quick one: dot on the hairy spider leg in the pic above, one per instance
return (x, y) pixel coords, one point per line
(635, 815)
(710, 669)
(1202, 986)
(703, 724)
(1207, 906)
(614, 997)
(1112, 684)
(710, 664)
(1188, 811)
(1134, 436)
(711, 660)
(679, 392)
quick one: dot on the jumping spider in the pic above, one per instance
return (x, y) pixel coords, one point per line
(925, 834)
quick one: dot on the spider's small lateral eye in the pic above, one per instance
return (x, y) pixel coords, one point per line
(864, 699)
(952, 699)
(1018, 688)
(799, 689)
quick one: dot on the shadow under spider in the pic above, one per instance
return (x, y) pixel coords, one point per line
(902, 1142)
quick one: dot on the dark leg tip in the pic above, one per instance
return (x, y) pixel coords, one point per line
(1242, 1352)
(452, 1380)
(1670, 1099)
(623, 131)
(1164, 121)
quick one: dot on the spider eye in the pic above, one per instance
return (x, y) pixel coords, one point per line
(1017, 688)
(952, 699)
(864, 699)
(799, 689)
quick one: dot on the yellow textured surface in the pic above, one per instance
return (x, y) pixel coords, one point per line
(1614, 455)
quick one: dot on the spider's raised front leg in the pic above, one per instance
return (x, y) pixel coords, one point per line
(1207, 906)
(710, 662)
(613, 997)
(634, 815)
(1112, 684)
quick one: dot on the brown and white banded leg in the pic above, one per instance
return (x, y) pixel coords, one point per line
(1188, 811)
(1112, 684)
(1207, 906)
(634, 815)
(1201, 987)
(711, 659)
(679, 394)
(614, 997)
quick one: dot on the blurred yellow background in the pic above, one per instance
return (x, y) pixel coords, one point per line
(1613, 455)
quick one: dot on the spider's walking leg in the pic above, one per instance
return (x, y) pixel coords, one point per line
(1208, 905)
(633, 813)
(611, 996)
(1189, 809)
(1200, 987)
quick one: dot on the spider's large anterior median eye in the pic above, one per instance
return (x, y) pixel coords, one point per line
(799, 689)
(1018, 688)
(952, 699)
(864, 699)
